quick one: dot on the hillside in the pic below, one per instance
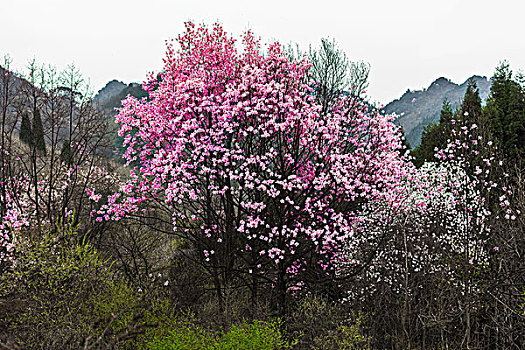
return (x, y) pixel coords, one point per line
(417, 109)
(111, 89)
(108, 98)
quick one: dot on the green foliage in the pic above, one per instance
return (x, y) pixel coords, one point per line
(256, 335)
(143, 319)
(60, 294)
(344, 337)
(250, 336)
(65, 152)
(471, 104)
(51, 278)
(430, 139)
(434, 136)
(319, 324)
(38, 133)
(26, 134)
(505, 111)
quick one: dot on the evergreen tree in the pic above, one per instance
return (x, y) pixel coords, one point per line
(447, 113)
(65, 152)
(404, 142)
(471, 104)
(38, 133)
(505, 112)
(434, 136)
(26, 135)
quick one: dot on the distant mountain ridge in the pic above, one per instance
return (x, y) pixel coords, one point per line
(108, 98)
(416, 109)
(111, 89)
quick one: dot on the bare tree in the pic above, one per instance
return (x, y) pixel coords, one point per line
(336, 74)
(68, 138)
(9, 85)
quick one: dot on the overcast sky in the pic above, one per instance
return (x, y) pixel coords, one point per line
(408, 43)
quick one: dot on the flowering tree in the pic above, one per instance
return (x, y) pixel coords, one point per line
(233, 145)
(21, 213)
(442, 245)
(38, 189)
(14, 219)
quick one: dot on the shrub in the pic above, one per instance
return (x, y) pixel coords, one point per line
(320, 324)
(61, 295)
(253, 336)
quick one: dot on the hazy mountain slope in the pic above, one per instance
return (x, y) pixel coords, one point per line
(107, 92)
(109, 97)
(417, 109)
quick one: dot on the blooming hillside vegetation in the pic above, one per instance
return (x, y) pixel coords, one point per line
(260, 207)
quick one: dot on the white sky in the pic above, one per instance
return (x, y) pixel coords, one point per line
(409, 43)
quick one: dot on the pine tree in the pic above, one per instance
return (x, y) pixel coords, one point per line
(505, 112)
(26, 135)
(65, 152)
(38, 133)
(447, 113)
(434, 136)
(471, 105)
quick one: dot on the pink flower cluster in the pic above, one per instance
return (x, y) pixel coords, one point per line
(16, 217)
(235, 144)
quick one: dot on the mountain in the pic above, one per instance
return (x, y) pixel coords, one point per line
(417, 109)
(108, 98)
(107, 92)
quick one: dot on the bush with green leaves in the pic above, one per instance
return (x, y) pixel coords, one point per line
(320, 324)
(59, 294)
(250, 336)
